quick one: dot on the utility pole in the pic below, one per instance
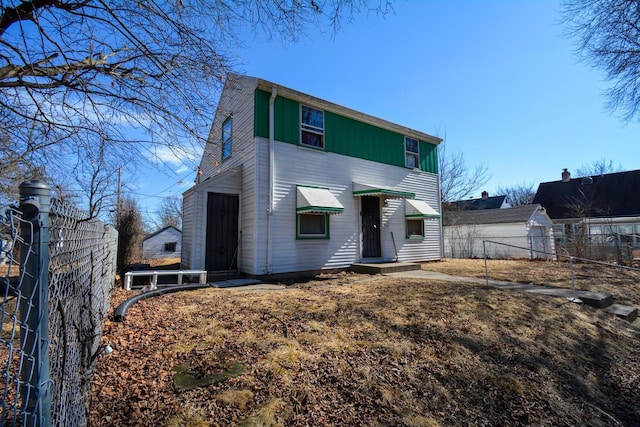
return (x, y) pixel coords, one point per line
(119, 190)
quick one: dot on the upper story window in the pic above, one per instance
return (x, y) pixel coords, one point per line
(226, 138)
(411, 153)
(311, 127)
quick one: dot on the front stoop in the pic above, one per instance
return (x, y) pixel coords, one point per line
(386, 267)
(623, 311)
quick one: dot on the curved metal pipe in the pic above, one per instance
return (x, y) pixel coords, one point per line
(122, 308)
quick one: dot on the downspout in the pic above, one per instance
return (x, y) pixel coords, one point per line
(274, 93)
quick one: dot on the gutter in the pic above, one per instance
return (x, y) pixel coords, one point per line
(274, 93)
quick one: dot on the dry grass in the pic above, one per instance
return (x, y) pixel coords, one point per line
(621, 283)
(359, 350)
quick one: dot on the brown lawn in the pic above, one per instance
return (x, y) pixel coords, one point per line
(348, 349)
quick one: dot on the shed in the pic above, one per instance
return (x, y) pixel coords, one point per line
(517, 232)
(164, 243)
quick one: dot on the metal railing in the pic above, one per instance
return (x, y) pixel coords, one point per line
(54, 302)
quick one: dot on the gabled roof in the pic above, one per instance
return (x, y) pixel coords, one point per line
(608, 195)
(338, 109)
(160, 231)
(517, 214)
(494, 202)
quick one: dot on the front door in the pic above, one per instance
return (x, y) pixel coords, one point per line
(370, 227)
(222, 232)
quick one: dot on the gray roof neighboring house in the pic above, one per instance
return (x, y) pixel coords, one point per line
(491, 216)
(608, 195)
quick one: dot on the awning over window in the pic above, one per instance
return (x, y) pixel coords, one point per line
(317, 200)
(419, 209)
(372, 190)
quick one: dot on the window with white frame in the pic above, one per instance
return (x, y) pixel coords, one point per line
(311, 127)
(170, 246)
(415, 228)
(226, 138)
(411, 153)
(313, 226)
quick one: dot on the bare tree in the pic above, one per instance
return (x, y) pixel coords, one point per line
(457, 179)
(598, 167)
(608, 36)
(130, 74)
(519, 194)
(128, 222)
(170, 213)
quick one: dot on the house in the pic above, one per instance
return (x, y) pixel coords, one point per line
(164, 243)
(515, 232)
(289, 182)
(595, 210)
(484, 202)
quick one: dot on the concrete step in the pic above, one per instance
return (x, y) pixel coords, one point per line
(385, 267)
(624, 311)
(593, 299)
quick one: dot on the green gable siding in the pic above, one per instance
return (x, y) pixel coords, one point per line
(428, 157)
(343, 135)
(356, 139)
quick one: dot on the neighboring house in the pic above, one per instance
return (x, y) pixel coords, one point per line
(289, 182)
(596, 210)
(521, 231)
(164, 243)
(484, 202)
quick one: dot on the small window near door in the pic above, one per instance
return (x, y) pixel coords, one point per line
(170, 246)
(311, 127)
(313, 226)
(226, 138)
(415, 228)
(411, 153)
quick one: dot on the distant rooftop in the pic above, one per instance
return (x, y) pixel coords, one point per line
(517, 214)
(485, 202)
(612, 194)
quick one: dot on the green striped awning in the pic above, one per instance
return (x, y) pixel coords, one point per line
(373, 190)
(419, 209)
(317, 200)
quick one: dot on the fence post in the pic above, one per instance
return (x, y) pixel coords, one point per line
(486, 269)
(35, 204)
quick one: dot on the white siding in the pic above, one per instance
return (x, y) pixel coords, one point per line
(514, 240)
(296, 165)
(188, 202)
(154, 246)
(236, 175)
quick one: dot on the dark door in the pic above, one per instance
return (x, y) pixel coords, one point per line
(370, 227)
(222, 232)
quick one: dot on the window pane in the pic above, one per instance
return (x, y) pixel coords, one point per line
(415, 227)
(411, 145)
(411, 161)
(311, 138)
(312, 224)
(313, 117)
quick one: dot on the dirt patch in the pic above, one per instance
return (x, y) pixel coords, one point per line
(369, 350)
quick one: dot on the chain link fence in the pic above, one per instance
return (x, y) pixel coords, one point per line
(56, 288)
(603, 247)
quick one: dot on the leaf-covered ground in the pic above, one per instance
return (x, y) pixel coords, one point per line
(349, 349)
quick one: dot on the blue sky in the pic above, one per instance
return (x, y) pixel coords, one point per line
(498, 79)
